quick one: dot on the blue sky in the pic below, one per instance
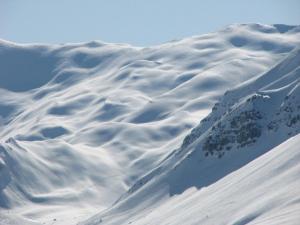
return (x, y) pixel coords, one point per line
(138, 22)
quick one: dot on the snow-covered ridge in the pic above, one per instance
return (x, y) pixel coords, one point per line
(271, 98)
(82, 123)
(249, 121)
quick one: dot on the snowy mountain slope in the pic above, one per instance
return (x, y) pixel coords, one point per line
(265, 191)
(249, 121)
(81, 123)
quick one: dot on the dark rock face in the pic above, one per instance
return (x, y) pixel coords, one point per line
(238, 124)
(244, 129)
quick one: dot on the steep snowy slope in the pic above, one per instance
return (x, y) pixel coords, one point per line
(81, 123)
(265, 191)
(249, 121)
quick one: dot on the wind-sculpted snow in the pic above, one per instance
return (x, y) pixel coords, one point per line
(85, 125)
(249, 121)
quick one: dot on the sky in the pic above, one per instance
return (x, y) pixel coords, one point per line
(138, 22)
